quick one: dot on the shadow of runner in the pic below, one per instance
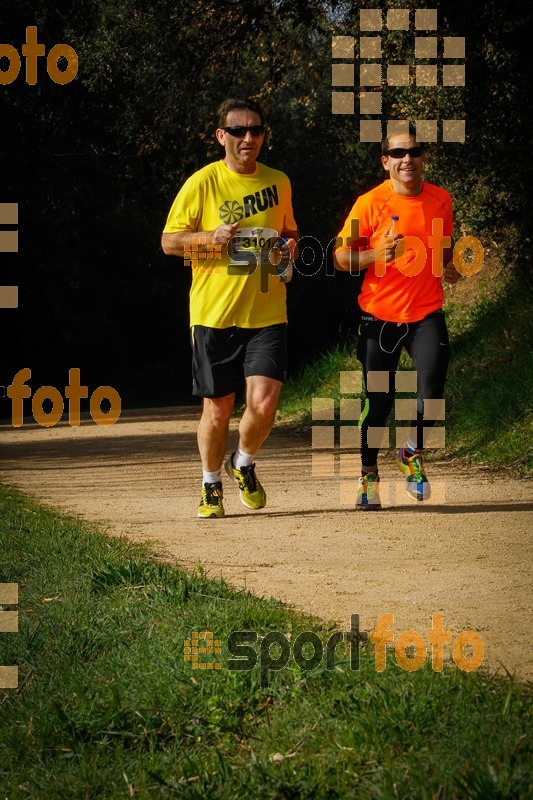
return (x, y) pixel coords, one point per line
(477, 508)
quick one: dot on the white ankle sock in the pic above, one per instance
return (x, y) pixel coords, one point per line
(211, 477)
(242, 459)
(411, 446)
(368, 470)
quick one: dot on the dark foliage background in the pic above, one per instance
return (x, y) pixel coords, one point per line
(95, 165)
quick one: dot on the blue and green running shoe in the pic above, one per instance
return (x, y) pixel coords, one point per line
(368, 493)
(415, 476)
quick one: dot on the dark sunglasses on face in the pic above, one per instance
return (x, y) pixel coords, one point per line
(242, 130)
(401, 152)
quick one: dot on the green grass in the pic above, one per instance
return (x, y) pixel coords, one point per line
(107, 707)
(491, 377)
(319, 379)
(489, 404)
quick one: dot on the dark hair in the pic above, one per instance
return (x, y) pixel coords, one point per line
(412, 132)
(231, 104)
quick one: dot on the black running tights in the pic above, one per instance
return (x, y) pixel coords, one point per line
(379, 347)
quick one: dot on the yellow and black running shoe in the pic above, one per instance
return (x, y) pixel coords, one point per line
(252, 494)
(211, 502)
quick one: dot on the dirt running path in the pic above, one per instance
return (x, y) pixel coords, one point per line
(467, 555)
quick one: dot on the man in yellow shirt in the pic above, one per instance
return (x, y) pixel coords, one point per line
(241, 213)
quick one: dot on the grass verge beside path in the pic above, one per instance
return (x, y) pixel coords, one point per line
(108, 708)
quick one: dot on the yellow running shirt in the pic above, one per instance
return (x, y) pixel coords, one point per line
(223, 295)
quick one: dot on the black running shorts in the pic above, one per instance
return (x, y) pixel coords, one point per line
(221, 356)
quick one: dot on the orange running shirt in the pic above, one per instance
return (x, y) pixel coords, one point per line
(408, 291)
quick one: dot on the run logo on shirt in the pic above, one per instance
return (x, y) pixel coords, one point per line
(232, 211)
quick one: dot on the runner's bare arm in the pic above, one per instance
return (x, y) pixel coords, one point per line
(450, 274)
(346, 260)
(293, 245)
(174, 244)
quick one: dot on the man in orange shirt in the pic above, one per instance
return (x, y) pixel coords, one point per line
(400, 233)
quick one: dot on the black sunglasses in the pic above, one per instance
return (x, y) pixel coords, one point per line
(401, 152)
(242, 130)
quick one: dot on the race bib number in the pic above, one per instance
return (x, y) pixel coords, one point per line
(252, 245)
